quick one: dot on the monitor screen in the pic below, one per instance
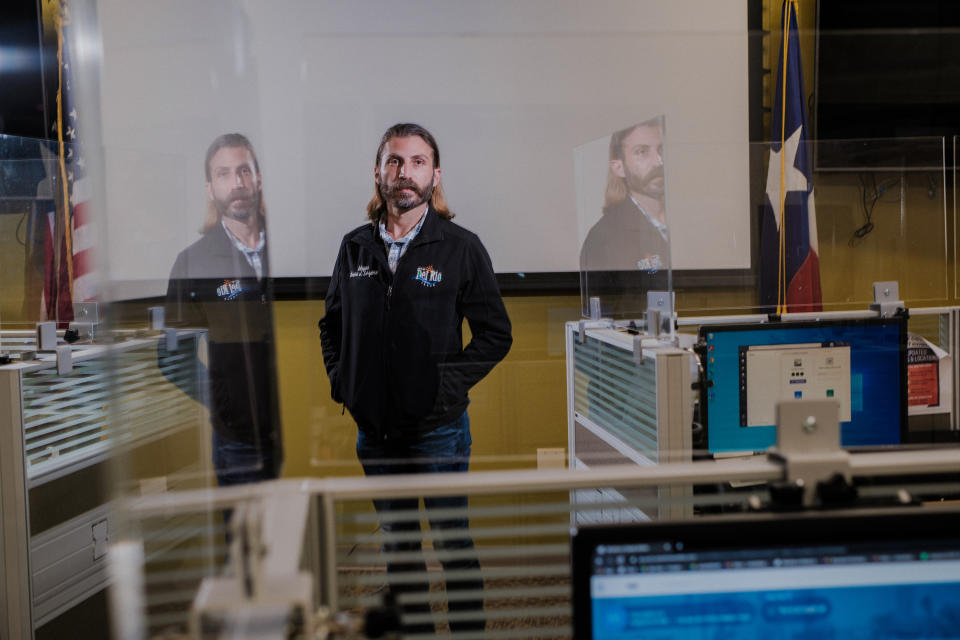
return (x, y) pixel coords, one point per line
(749, 368)
(856, 575)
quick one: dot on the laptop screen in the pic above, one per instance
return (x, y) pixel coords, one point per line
(861, 363)
(851, 576)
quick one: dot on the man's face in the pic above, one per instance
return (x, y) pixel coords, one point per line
(642, 164)
(406, 174)
(234, 186)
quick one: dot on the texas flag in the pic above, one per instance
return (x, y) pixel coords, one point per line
(789, 262)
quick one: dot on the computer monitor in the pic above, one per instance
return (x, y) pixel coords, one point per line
(749, 368)
(856, 575)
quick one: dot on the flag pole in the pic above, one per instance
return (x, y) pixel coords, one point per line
(781, 262)
(62, 18)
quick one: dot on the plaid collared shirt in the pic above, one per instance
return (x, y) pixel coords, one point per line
(396, 248)
(254, 256)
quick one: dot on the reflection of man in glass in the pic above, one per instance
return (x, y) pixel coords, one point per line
(393, 348)
(220, 282)
(632, 234)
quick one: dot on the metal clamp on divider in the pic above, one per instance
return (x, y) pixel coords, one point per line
(64, 359)
(86, 317)
(595, 312)
(156, 318)
(583, 325)
(660, 314)
(172, 339)
(886, 299)
(79, 331)
(638, 349)
(595, 321)
(46, 336)
(816, 468)
(267, 596)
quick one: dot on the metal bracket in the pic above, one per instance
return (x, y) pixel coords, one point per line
(46, 336)
(886, 299)
(808, 447)
(595, 317)
(172, 339)
(156, 318)
(595, 312)
(86, 317)
(583, 325)
(100, 533)
(85, 330)
(660, 314)
(638, 349)
(267, 596)
(64, 359)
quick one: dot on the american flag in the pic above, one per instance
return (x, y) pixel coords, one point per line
(789, 260)
(70, 269)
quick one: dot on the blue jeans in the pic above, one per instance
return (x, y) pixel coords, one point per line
(444, 449)
(238, 462)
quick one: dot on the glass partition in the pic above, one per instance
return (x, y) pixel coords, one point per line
(625, 245)
(876, 212)
(192, 271)
(902, 204)
(882, 218)
(301, 284)
(39, 274)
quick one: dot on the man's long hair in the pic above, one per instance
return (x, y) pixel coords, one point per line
(616, 186)
(376, 207)
(212, 218)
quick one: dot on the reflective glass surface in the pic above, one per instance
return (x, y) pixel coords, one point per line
(402, 256)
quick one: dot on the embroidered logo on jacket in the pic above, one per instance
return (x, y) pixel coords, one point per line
(230, 289)
(650, 264)
(364, 271)
(428, 276)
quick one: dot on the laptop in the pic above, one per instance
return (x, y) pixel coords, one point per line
(815, 575)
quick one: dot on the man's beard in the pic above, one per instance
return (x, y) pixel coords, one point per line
(645, 184)
(405, 201)
(252, 202)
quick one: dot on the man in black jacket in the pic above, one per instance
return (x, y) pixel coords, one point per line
(220, 283)
(393, 348)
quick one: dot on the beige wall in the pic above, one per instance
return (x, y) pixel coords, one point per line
(519, 407)
(13, 229)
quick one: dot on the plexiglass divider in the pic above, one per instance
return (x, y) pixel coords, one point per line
(906, 244)
(623, 220)
(31, 201)
(247, 163)
(870, 211)
(955, 183)
(94, 406)
(187, 266)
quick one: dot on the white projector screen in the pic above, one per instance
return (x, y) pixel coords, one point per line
(509, 88)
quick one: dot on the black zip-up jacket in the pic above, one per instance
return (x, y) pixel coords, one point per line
(212, 285)
(392, 343)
